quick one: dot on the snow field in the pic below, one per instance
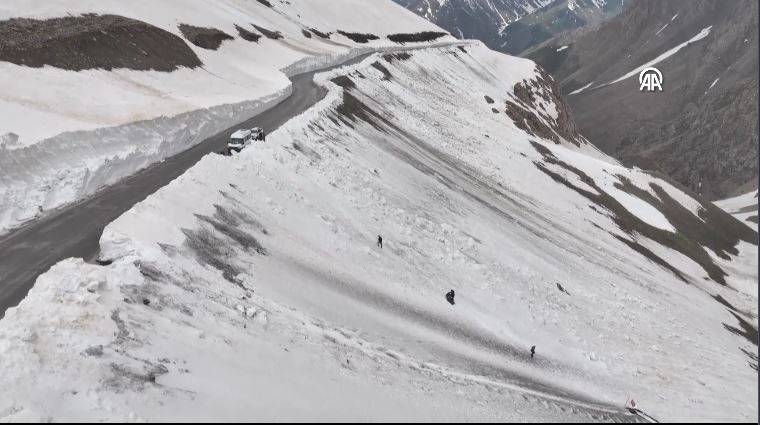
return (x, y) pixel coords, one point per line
(454, 190)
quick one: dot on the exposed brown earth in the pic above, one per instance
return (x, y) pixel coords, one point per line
(358, 37)
(400, 56)
(747, 331)
(325, 35)
(273, 35)
(380, 67)
(344, 82)
(204, 37)
(417, 37)
(247, 35)
(93, 41)
(525, 109)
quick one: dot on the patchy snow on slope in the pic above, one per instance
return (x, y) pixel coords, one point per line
(712, 84)
(251, 286)
(737, 203)
(640, 208)
(743, 207)
(742, 275)
(581, 89)
(702, 34)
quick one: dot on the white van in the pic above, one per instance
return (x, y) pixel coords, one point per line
(242, 138)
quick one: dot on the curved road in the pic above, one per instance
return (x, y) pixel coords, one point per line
(75, 230)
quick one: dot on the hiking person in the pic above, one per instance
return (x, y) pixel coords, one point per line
(532, 351)
(450, 297)
(379, 241)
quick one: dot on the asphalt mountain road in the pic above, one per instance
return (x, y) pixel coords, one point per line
(75, 230)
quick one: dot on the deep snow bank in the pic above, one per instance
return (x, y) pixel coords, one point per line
(251, 286)
(67, 133)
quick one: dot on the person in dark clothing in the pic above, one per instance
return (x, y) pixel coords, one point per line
(532, 351)
(379, 241)
(450, 297)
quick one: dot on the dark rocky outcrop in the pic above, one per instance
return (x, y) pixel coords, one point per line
(247, 35)
(93, 41)
(380, 67)
(358, 37)
(272, 35)
(526, 110)
(204, 37)
(400, 56)
(417, 37)
(325, 35)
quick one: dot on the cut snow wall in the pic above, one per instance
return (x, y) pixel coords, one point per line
(73, 165)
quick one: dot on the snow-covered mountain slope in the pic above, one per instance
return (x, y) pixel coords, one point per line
(743, 207)
(558, 22)
(252, 287)
(702, 129)
(474, 19)
(89, 99)
(463, 13)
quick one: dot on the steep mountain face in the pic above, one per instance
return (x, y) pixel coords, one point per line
(558, 20)
(474, 19)
(702, 129)
(512, 26)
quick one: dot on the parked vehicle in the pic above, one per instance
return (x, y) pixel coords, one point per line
(258, 133)
(242, 138)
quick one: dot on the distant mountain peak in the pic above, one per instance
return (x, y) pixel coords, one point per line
(477, 19)
(512, 26)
